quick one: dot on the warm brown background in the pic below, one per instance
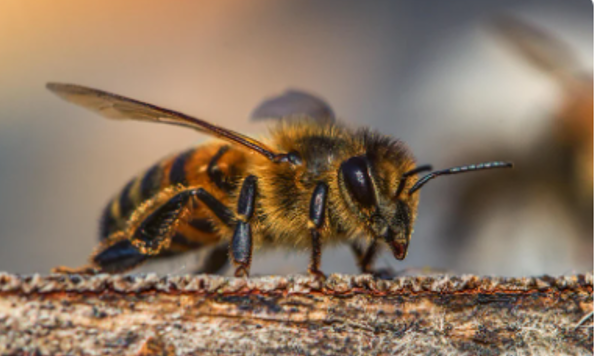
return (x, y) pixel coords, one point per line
(431, 73)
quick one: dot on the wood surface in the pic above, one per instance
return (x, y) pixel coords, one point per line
(295, 315)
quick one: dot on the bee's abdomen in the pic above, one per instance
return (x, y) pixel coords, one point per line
(213, 167)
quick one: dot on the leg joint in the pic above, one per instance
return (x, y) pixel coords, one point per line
(221, 211)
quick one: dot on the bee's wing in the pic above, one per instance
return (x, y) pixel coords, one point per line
(294, 102)
(118, 107)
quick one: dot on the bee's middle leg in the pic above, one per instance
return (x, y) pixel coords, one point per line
(241, 246)
(316, 221)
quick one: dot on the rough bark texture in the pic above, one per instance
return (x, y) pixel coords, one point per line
(295, 315)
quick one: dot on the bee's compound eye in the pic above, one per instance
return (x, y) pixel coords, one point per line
(358, 181)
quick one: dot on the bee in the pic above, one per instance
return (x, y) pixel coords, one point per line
(314, 182)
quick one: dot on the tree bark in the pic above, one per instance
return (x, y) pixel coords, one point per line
(294, 315)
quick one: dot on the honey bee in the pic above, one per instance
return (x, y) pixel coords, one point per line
(314, 182)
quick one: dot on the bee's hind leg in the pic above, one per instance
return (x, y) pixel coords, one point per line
(151, 236)
(154, 234)
(117, 255)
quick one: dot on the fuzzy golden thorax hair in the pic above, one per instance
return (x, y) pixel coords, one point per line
(362, 170)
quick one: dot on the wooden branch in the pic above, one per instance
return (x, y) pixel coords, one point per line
(295, 315)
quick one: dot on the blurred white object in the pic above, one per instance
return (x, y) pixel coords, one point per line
(537, 219)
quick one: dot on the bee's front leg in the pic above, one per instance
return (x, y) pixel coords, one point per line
(365, 258)
(316, 220)
(241, 247)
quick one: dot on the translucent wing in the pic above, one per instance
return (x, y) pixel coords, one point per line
(118, 107)
(294, 102)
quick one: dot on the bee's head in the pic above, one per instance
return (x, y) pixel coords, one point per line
(384, 196)
(369, 194)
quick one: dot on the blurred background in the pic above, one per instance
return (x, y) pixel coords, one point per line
(459, 81)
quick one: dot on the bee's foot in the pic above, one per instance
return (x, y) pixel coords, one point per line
(382, 273)
(421, 271)
(241, 272)
(317, 274)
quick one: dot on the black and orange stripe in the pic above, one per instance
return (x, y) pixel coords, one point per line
(207, 166)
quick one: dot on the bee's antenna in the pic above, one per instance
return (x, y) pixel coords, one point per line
(402, 181)
(455, 170)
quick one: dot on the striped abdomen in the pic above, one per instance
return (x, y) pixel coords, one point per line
(216, 167)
